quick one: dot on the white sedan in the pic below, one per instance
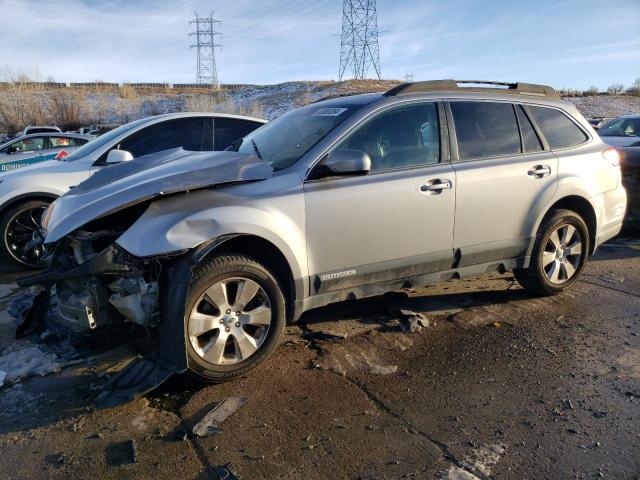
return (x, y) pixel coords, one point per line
(26, 193)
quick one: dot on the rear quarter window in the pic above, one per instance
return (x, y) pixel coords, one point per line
(557, 128)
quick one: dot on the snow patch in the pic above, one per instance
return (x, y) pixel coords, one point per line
(479, 461)
(24, 360)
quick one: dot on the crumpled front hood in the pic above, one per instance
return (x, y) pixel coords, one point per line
(171, 171)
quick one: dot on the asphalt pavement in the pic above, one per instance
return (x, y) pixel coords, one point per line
(469, 379)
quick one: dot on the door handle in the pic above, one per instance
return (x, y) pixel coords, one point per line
(435, 187)
(539, 171)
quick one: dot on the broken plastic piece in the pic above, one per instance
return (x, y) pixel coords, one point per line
(410, 321)
(211, 422)
(139, 377)
(226, 472)
(31, 317)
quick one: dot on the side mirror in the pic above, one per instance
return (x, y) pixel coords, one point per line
(348, 162)
(118, 156)
(11, 150)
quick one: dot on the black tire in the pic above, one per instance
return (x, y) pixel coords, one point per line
(7, 227)
(226, 267)
(534, 278)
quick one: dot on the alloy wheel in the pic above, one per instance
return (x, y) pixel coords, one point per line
(230, 321)
(562, 254)
(21, 229)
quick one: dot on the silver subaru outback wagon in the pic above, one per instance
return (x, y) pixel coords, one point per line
(345, 198)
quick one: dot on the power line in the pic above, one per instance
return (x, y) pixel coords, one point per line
(359, 38)
(206, 72)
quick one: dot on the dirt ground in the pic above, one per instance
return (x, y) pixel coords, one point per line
(499, 385)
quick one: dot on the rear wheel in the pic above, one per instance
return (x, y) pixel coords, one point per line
(18, 226)
(234, 317)
(558, 256)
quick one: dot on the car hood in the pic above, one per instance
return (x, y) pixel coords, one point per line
(620, 141)
(171, 171)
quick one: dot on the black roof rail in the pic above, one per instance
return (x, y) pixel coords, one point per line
(518, 88)
(333, 96)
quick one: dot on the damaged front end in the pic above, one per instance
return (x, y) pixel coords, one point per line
(100, 287)
(103, 287)
(97, 283)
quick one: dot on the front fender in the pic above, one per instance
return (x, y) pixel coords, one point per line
(175, 224)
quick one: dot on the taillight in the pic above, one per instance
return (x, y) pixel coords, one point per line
(612, 156)
(61, 154)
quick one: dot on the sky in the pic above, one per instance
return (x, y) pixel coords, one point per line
(563, 43)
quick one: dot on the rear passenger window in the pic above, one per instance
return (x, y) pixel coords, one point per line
(559, 131)
(530, 140)
(485, 129)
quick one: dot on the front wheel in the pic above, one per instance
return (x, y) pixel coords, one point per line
(18, 226)
(559, 254)
(234, 317)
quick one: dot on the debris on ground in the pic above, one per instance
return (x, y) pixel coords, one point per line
(24, 359)
(133, 451)
(122, 453)
(408, 320)
(226, 472)
(363, 354)
(211, 422)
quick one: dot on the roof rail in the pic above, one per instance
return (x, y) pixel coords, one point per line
(518, 88)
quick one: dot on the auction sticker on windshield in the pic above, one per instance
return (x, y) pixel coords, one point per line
(328, 112)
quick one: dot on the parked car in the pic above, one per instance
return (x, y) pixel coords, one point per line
(597, 122)
(622, 131)
(25, 194)
(341, 199)
(630, 161)
(35, 148)
(31, 129)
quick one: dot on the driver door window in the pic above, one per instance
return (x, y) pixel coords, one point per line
(401, 138)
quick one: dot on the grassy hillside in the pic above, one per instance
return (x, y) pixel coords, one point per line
(72, 107)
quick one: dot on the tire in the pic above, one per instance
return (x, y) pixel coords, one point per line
(552, 270)
(220, 352)
(19, 222)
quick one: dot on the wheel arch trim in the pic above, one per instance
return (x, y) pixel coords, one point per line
(578, 201)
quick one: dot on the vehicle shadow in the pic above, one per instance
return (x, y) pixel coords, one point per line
(443, 300)
(618, 249)
(41, 401)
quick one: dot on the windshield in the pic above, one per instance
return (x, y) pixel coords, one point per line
(621, 127)
(102, 140)
(284, 140)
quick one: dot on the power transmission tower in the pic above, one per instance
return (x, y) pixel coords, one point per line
(359, 38)
(205, 34)
(408, 77)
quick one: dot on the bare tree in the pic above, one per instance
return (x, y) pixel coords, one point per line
(634, 89)
(615, 88)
